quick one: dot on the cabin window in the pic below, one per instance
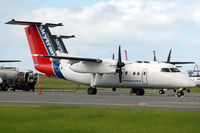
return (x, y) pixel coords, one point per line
(139, 61)
(138, 73)
(126, 73)
(175, 70)
(146, 62)
(165, 70)
(133, 73)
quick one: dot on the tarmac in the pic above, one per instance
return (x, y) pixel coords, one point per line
(104, 99)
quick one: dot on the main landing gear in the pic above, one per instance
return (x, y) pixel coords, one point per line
(137, 91)
(93, 90)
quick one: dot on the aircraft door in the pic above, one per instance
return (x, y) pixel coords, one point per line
(144, 76)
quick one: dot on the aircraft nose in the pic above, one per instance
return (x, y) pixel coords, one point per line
(191, 83)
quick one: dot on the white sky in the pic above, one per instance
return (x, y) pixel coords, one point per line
(140, 26)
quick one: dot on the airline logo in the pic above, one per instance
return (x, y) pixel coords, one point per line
(46, 39)
(59, 45)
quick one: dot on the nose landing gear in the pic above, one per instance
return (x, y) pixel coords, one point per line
(180, 93)
(162, 91)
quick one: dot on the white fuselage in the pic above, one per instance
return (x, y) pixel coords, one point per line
(135, 75)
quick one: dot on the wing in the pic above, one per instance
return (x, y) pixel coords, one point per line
(2, 61)
(88, 65)
(178, 62)
(73, 58)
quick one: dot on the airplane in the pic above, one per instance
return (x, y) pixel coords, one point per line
(96, 72)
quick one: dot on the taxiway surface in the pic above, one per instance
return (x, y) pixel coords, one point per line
(104, 98)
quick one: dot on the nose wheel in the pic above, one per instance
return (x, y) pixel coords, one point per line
(180, 93)
(161, 91)
(92, 91)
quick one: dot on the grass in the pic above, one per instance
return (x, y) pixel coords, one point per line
(56, 83)
(57, 119)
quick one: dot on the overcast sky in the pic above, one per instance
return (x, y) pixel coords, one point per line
(139, 26)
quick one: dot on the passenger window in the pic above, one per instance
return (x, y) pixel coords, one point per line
(133, 73)
(126, 73)
(138, 73)
(165, 70)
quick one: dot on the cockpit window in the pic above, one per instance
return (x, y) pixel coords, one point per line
(165, 70)
(174, 69)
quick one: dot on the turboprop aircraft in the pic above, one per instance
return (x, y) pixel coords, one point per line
(49, 59)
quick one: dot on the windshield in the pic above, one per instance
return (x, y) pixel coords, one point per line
(175, 70)
(170, 70)
(165, 70)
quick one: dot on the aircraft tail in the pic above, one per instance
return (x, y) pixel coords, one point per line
(41, 42)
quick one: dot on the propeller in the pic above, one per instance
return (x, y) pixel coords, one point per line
(169, 56)
(120, 64)
(113, 56)
(154, 55)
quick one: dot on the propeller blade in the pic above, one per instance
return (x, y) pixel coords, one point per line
(113, 57)
(120, 76)
(120, 64)
(119, 54)
(154, 55)
(169, 56)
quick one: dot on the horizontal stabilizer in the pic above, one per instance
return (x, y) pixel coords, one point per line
(73, 58)
(67, 37)
(32, 23)
(2, 61)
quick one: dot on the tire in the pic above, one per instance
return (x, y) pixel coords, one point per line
(141, 92)
(92, 91)
(182, 93)
(161, 92)
(5, 88)
(113, 89)
(179, 94)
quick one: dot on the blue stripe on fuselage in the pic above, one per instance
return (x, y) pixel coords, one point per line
(56, 68)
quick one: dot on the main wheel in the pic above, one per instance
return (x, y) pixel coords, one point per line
(141, 92)
(5, 88)
(113, 89)
(92, 91)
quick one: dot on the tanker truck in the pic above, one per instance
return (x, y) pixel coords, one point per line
(14, 78)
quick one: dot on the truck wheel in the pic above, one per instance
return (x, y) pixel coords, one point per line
(5, 88)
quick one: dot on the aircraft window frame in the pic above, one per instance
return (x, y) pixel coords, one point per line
(174, 70)
(165, 70)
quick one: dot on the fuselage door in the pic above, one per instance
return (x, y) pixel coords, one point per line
(144, 76)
